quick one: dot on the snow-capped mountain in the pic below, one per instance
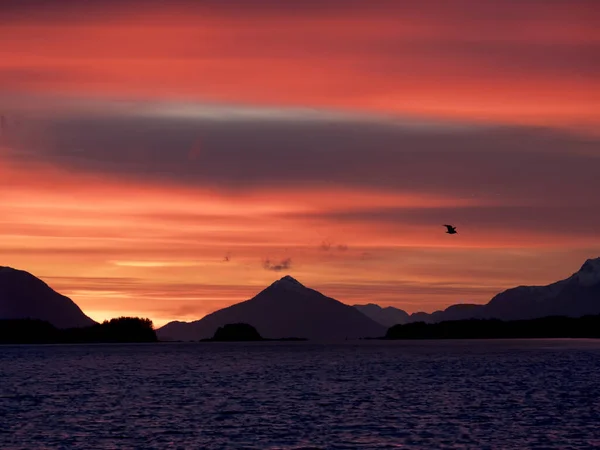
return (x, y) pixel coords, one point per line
(589, 274)
(23, 296)
(284, 309)
(574, 296)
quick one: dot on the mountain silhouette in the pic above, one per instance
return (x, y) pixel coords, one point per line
(576, 296)
(387, 316)
(284, 309)
(23, 296)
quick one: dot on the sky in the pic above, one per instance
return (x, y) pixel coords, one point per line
(168, 159)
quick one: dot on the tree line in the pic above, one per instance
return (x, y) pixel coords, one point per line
(33, 331)
(545, 327)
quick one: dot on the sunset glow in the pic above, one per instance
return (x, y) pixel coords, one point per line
(170, 162)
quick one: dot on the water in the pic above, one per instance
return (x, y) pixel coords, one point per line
(372, 395)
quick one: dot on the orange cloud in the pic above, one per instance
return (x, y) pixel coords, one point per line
(536, 65)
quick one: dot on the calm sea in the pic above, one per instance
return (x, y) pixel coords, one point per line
(539, 394)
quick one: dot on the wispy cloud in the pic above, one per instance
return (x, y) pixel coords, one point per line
(327, 246)
(284, 264)
(156, 263)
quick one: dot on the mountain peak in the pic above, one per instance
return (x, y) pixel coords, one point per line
(589, 274)
(288, 280)
(591, 265)
(285, 308)
(387, 316)
(23, 295)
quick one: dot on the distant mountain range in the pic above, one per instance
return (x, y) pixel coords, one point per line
(575, 296)
(288, 309)
(284, 309)
(387, 316)
(23, 296)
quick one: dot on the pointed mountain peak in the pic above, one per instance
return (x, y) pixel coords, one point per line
(589, 274)
(289, 278)
(287, 284)
(591, 266)
(288, 281)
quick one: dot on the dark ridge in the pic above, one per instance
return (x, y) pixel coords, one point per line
(33, 331)
(551, 327)
(24, 296)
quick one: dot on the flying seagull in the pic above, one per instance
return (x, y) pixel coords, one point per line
(451, 229)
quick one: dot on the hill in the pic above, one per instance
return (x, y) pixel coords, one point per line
(23, 296)
(387, 316)
(284, 309)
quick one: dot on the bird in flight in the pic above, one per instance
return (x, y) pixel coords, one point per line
(451, 229)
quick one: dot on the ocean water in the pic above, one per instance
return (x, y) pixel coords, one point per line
(538, 394)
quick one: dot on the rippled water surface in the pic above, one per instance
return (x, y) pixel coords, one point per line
(427, 394)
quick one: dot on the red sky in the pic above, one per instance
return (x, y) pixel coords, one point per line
(141, 145)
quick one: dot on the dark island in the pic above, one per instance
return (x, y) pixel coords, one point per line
(241, 332)
(552, 327)
(120, 330)
(237, 332)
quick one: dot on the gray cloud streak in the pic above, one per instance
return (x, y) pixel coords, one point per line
(564, 220)
(244, 153)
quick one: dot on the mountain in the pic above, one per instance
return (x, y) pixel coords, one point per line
(575, 296)
(461, 311)
(23, 296)
(388, 316)
(284, 309)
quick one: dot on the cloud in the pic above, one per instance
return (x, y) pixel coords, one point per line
(475, 59)
(284, 264)
(245, 149)
(543, 220)
(327, 246)
(304, 168)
